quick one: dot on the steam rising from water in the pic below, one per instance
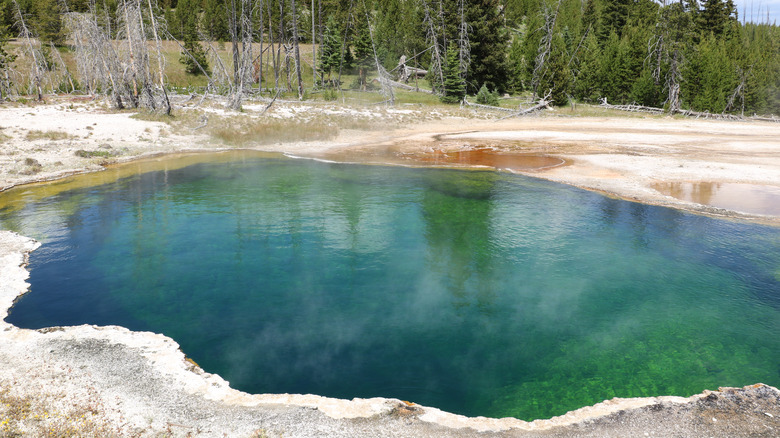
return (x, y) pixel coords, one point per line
(476, 292)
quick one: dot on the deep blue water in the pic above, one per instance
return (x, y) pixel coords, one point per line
(477, 292)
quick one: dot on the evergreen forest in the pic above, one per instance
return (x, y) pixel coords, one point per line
(681, 55)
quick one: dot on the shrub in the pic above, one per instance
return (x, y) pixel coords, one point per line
(485, 97)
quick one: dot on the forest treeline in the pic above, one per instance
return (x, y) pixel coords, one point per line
(679, 55)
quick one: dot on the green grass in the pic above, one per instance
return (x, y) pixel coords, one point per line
(48, 135)
(93, 154)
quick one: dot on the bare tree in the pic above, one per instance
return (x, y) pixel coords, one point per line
(121, 69)
(243, 61)
(313, 46)
(96, 59)
(384, 76)
(665, 50)
(545, 44)
(271, 47)
(464, 45)
(166, 103)
(38, 65)
(296, 50)
(433, 37)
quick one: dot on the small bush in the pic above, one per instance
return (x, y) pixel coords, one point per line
(33, 166)
(330, 94)
(485, 97)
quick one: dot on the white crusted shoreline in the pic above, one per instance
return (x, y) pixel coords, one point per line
(109, 381)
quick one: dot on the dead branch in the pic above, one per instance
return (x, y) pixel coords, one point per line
(387, 90)
(632, 107)
(278, 92)
(384, 80)
(543, 104)
(488, 107)
(688, 113)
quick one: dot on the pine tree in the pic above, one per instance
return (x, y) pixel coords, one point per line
(193, 56)
(614, 17)
(364, 51)
(644, 91)
(330, 52)
(587, 83)
(711, 76)
(214, 20)
(6, 17)
(47, 21)
(486, 97)
(715, 17)
(454, 85)
(609, 75)
(516, 66)
(399, 30)
(6, 59)
(488, 40)
(591, 16)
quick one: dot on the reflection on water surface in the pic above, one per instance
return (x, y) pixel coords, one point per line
(481, 293)
(487, 157)
(475, 157)
(745, 198)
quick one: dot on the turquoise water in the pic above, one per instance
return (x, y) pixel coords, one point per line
(480, 293)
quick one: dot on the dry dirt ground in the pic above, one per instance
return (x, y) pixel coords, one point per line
(108, 381)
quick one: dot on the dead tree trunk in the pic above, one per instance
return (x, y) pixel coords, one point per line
(245, 60)
(387, 90)
(344, 41)
(436, 63)
(166, 103)
(273, 52)
(296, 50)
(260, 56)
(233, 24)
(37, 67)
(130, 45)
(545, 45)
(464, 45)
(313, 48)
(282, 42)
(674, 77)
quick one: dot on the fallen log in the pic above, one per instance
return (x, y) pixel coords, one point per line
(687, 113)
(542, 104)
(395, 84)
(488, 107)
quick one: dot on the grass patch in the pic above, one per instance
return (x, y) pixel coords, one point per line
(245, 131)
(48, 135)
(94, 154)
(149, 116)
